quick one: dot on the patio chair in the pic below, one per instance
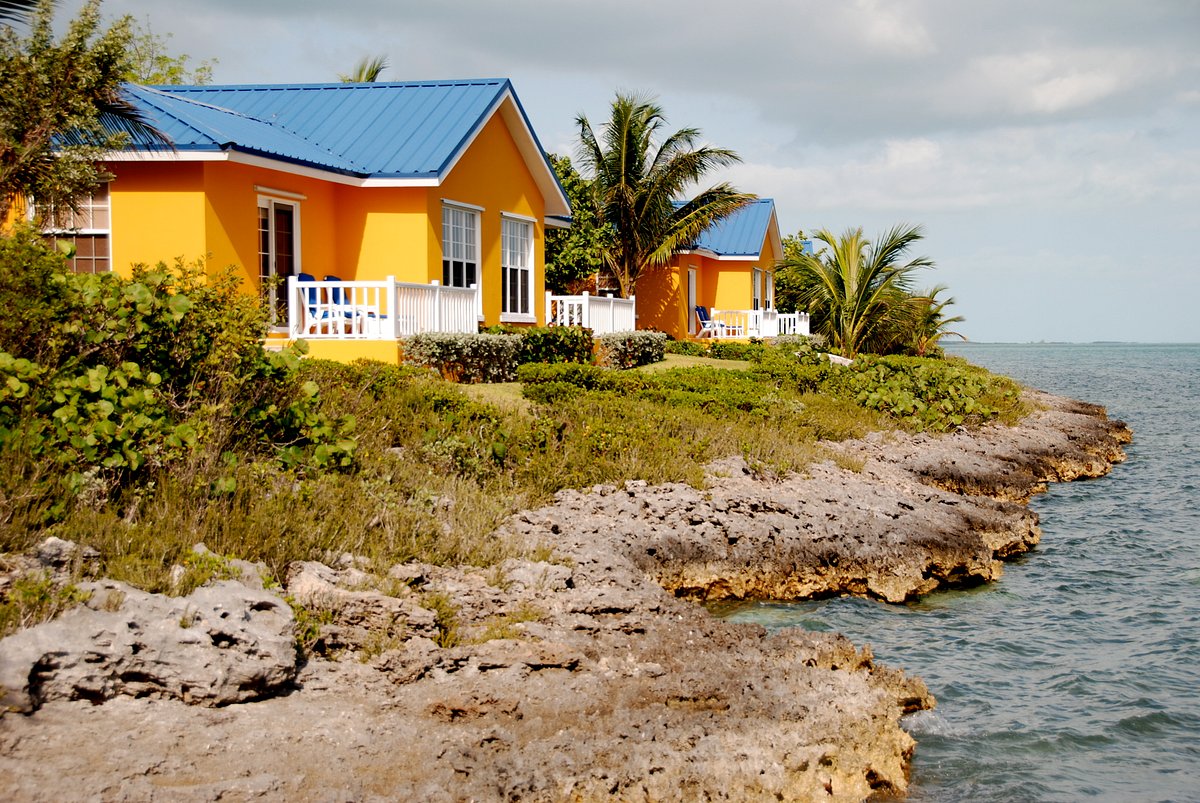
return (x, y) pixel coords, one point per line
(315, 315)
(358, 317)
(708, 327)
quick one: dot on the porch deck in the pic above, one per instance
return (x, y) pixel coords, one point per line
(371, 310)
(742, 324)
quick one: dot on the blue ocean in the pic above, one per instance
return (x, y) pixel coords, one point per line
(1077, 675)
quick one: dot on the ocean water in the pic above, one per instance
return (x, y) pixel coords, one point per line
(1077, 675)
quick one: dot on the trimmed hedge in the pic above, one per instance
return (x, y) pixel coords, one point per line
(549, 344)
(465, 357)
(630, 349)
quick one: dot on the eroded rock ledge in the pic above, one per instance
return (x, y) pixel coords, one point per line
(923, 512)
(594, 677)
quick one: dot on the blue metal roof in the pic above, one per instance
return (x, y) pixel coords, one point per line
(742, 233)
(382, 130)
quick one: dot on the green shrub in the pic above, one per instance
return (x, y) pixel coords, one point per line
(549, 344)
(630, 349)
(126, 377)
(688, 348)
(465, 357)
(733, 350)
(926, 394)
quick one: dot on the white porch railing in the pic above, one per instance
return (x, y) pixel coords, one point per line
(387, 310)
(601, 314)
(744, 323)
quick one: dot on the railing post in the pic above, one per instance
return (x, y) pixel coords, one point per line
(633, 312)
(294, 308)
(587, 311)
(437, 305)
(393, 306)
(478, 305)
(549, 309)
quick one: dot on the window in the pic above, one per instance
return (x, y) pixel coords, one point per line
(770, 299)
(460, 246)
(278, 252)
(516, 248)
(758, 288)
(89, 231)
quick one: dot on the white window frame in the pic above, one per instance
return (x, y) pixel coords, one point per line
(67, 230)
(507, 251)
(756, 280)
(769, 299)
(271, 291)
(475, 214)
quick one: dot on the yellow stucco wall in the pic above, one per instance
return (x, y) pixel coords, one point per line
(163, 210)
(492, 174)
(724, 284)
(662, 299)
(157, 213)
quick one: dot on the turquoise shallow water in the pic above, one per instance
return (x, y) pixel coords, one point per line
(1077, 675)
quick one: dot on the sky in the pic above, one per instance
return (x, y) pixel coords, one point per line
(1050, 149)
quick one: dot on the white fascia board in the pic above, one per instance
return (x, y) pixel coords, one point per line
(278, 165)
(506, 104)
(166, 156)
(773, 233)
(555, 223)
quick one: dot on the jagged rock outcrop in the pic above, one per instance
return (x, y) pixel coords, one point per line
(223, 643)
(595, 676)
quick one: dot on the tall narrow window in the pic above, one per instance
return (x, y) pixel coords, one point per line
(516, 247)
(769, 301)
(88, 231)
(758, 288)
(460, 246)
(278, 252)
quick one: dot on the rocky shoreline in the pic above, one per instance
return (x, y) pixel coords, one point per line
(593, 676)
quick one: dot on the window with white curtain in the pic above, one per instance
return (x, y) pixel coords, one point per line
(460, 246)
(516, 248)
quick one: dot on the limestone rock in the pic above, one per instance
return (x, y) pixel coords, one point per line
(223, 643)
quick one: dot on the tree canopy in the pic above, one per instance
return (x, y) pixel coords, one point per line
(578, 252)
(638, 176)
(858, 291)
(53, 95)
(151, 62)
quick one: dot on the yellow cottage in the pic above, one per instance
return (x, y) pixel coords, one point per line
(362, 212)
(724, 285)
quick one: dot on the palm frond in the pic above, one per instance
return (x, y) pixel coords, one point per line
(366, 71)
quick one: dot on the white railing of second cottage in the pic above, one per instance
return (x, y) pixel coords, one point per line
(602, 314)
(744, 323)
(359, 310)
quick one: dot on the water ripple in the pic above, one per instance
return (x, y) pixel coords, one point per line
(1076, 676)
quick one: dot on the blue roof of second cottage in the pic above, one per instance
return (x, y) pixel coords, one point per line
(742, 233)
(380, 130)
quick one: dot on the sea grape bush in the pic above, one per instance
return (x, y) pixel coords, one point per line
(926, 394)
(125, 376)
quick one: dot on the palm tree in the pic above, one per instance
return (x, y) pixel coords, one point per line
(931, 322)
(366, 71)
(638, 181)
(17, 10)
(857, 291)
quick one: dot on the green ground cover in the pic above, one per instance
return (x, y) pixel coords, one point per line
(142, 416)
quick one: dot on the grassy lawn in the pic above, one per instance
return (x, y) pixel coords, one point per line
(504, 395)
(684, 361)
